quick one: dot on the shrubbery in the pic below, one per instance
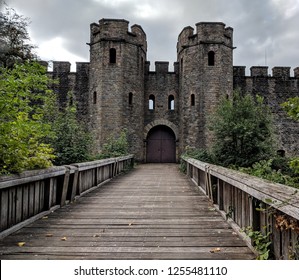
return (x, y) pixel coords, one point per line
(71, 142)
(34, 133)
(267, 169)
(243, 134)
(242, 127)
(24, 97)
(115, 146)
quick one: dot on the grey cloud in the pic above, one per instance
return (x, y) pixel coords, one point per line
(259, 26)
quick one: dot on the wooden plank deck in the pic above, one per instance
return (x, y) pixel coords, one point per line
(154, 212)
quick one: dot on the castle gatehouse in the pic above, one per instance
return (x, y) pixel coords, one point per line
(165, 111)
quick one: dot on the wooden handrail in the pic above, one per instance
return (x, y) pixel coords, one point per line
(252, 202)
(28, 196)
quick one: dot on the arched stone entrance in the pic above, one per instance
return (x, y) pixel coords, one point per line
(161, 146)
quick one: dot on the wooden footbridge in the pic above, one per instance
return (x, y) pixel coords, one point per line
(151, 212)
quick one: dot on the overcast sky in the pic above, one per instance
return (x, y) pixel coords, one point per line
(265, 31)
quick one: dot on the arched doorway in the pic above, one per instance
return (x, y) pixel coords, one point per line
(161, 145)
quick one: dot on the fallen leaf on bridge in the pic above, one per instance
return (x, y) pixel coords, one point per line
(63, 239)
(21, 244)
(49, 235)
(215, 250)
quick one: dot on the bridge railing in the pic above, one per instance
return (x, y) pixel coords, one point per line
(33, 194)
(250, 202)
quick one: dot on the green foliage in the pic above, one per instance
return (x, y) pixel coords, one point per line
(15, 43)
(242, 128)
(292, 107)
(71, 142)
(243, 136)
(199, 154)
(267, 169)
(24, 97)
(260, 242)
(294, 165)
(116, 146)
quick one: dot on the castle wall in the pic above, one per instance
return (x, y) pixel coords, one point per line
(81, 90)
(76, 83)
(275, 89)
(161, 84)
(113, 91)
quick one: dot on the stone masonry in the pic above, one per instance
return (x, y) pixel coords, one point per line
(116, 90)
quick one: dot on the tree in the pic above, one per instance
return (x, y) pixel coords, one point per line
(14, 38)
(24, 99)
(71, 142)
(242, 128)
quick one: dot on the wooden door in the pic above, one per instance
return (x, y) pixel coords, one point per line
(161, 145)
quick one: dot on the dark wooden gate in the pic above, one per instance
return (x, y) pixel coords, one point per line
(160, 145)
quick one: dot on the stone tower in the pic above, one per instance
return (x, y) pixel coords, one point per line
(166, 111)
(116, 82)
(206, 74)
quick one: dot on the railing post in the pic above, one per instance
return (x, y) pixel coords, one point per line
(48, 193)
(65, 186)
(75, 183)
(220, 194)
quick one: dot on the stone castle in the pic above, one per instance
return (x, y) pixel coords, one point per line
(162, 111)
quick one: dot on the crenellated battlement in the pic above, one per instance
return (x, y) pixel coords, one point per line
(118, 89)
(215, 32)
(64, 67)
(281, 72)
(206, 32)
(161, 67)
(117, 30)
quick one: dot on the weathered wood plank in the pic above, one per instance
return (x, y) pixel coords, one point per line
(11, 206)
(152, 213)
(130, 256)
(260, 198)
(30, 176)
(3, 209)
(283, 197)
(19, 205)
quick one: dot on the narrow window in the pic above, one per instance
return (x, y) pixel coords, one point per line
(182, 61)
(170, 102)
(112, 54)
(211, 58)
(94, 97)
(192, 100)
(130, 98)
(151, 102)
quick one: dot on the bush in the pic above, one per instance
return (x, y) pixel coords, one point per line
(267, 169)
(72, 142)
(242, 128)
(115, 146)
(24, 99)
